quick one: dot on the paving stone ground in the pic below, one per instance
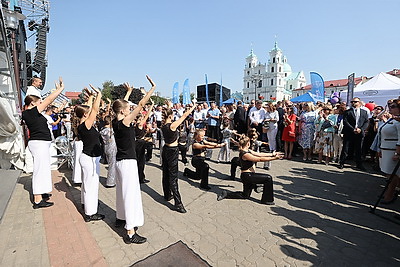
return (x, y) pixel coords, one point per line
(320, 218)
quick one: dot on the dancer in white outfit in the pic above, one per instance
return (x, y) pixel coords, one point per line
(39, 145)
(128, 199)
(90, 157)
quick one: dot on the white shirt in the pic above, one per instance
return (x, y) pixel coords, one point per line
(257, 115)
(272, 116)
(32, 90)
(198, 115)
(357, 114)
(158, 115)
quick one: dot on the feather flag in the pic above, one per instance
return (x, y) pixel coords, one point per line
(207, 100)
(317, 87)
(186, 92)
(175, 93)
(220, 93)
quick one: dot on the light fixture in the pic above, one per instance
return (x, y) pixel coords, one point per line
(12, 18)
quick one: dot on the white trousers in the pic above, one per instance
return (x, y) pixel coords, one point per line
(129, 198)
(41, 178)
(224, 154)
(77, 172)
(271, 134)
(90, 182)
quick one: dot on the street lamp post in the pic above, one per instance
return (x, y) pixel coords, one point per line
(255, 78)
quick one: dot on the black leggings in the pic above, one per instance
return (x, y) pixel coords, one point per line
(170, 173)
(140, 155)
(235, 162)
(183, 150)
(249, 180)
(201, 172)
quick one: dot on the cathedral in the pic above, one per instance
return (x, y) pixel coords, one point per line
(273, 81)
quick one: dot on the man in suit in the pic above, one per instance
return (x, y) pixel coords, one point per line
(355, 122)
(239, 119)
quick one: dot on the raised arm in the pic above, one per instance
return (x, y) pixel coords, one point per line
(89, 122)
(129, 90)
(48, 100)
(132, 116)
(178, 122)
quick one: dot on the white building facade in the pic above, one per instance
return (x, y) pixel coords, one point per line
(273, 81)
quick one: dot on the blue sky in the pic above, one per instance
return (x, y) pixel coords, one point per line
(95, 41)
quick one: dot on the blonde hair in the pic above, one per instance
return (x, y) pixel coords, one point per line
(243, 141)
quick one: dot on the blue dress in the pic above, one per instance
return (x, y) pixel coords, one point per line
(307, 129)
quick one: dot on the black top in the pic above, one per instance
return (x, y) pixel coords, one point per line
(169, 135)
(91, 140)
(37, 125)
(125, 140)
(197, 151)
(139, 133)
(245, 164)
(349, 121)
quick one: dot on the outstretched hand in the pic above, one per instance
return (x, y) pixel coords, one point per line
(128, 87)
(95, 89)
(59, 84)
(150, 81)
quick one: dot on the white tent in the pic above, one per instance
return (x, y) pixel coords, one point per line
(379, 89)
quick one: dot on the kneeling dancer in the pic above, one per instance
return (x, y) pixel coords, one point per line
(198, 160)
(249, 177)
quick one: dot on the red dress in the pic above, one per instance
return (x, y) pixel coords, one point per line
(290, 128)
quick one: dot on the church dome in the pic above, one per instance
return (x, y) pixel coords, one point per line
(287, 68)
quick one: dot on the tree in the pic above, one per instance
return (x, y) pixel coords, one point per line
(158, 100)
(119, 92)
(108, 87)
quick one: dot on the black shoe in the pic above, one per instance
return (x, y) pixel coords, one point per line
(135, 239)
(77, 184)
(268, 203)
(119, 223)
(222, 195)
(94, 217)
(145, 181)
(361, 168)
(42, 204)
(206, 187)
(341, 166)
(180, 208)
(46, 197)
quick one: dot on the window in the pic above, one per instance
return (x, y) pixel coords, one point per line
(285, 74)
(272, 81)
(248, 85)
(272, 69)
(249, 65)
(280, 69)
(258, 71)
(248, 72)
(273, 60)
(259, 84)
(291, 87)
(279, 81)
(277, 59)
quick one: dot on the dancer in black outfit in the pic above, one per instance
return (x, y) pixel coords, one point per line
(249, 177)
(198, 160)
(170, 153)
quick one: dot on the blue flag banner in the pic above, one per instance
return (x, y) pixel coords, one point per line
(317, 87)
(207, 100)
(220, 93)
(175, 93)
(350, 88)
(186, 92)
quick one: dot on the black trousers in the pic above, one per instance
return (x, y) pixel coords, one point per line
(213, 132)
(235, 162)
(149, 150)
(183, 150)
(352, 143)
(140, 158)
(170, 173)
(249, 180)
(201, 172)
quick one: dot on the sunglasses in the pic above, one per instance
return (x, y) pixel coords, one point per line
(354, 101)
(393, 106)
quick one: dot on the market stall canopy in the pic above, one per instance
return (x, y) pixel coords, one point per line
(307, 97)
(229, 101)
(379, 89)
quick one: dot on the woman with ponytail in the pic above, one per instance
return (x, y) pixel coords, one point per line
(170, 153)
(128, 195)
(90, 157)
(39, 145)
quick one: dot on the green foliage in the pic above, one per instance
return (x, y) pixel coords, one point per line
(158, 100)
(192, 96)
(108, 87)
(119, 92)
